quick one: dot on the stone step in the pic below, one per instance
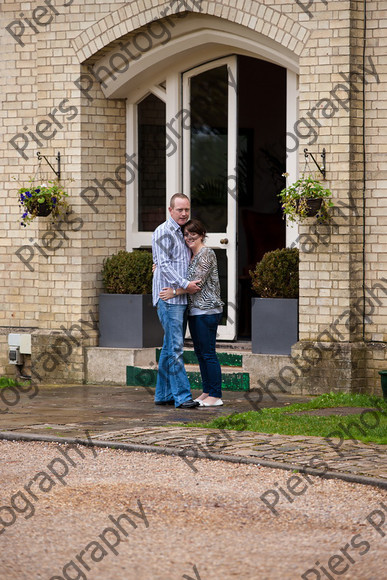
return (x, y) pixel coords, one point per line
(226, 359)
(107, 366)
(146, 377)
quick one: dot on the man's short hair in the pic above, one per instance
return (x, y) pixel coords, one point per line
(175, 196)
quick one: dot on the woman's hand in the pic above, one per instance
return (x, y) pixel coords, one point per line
(166, 293)
(153, 268)
(194, 286)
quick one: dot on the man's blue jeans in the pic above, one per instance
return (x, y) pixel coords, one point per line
(203, 332)
(172, 381)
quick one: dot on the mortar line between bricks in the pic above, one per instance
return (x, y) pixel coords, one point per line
(363, 480)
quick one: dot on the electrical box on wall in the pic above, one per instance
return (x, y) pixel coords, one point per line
(25, 344)
(19, 344)
(14, 356)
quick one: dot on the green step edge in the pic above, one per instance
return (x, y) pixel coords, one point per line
(226, 359)
(138, 377)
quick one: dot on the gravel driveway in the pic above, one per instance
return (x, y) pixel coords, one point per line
(60, 519)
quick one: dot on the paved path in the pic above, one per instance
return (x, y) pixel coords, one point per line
(128, 415)
(366, 459)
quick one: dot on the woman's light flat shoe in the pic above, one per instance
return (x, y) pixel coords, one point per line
(200, 401)
(217, 404)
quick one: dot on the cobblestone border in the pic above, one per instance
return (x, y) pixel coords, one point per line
(173, 451)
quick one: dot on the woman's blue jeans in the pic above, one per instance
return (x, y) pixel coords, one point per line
(172, 381)
(203, 332)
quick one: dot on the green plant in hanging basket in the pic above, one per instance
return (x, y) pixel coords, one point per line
(42, 200)
(305, 198)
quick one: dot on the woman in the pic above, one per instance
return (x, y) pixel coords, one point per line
(204, 311)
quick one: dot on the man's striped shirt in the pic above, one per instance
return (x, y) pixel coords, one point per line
(171, 256)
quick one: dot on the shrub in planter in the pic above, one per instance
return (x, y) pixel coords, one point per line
(276, 275)
(127, 318)
(274, 316)
(128, 273)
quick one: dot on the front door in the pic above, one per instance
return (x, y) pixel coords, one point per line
(216, 132)
(209, 169)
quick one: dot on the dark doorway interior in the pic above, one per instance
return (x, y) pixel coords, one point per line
(262, 160)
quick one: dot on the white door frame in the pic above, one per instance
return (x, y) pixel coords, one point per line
(292, 151)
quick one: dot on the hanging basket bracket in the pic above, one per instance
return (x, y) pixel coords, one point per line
(57, 172)
(321, 169)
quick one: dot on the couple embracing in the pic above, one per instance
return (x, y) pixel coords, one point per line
(185, 266)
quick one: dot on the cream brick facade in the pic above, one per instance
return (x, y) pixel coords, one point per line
(42, 76)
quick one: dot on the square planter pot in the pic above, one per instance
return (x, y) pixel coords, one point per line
(128, 321)
(383, 378)
(274, 323)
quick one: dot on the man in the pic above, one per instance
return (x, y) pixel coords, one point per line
(172, 256)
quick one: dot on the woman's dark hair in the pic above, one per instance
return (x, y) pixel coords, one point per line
(195, 226)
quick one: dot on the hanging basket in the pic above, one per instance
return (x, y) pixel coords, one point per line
(313, 206)
(40, 209)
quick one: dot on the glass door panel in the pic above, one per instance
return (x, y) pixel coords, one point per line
(151, 163)
(209, 137)
(209, 169)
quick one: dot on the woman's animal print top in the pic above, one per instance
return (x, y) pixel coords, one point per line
(204, 266)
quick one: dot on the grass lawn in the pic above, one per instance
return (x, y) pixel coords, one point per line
(369, 427)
